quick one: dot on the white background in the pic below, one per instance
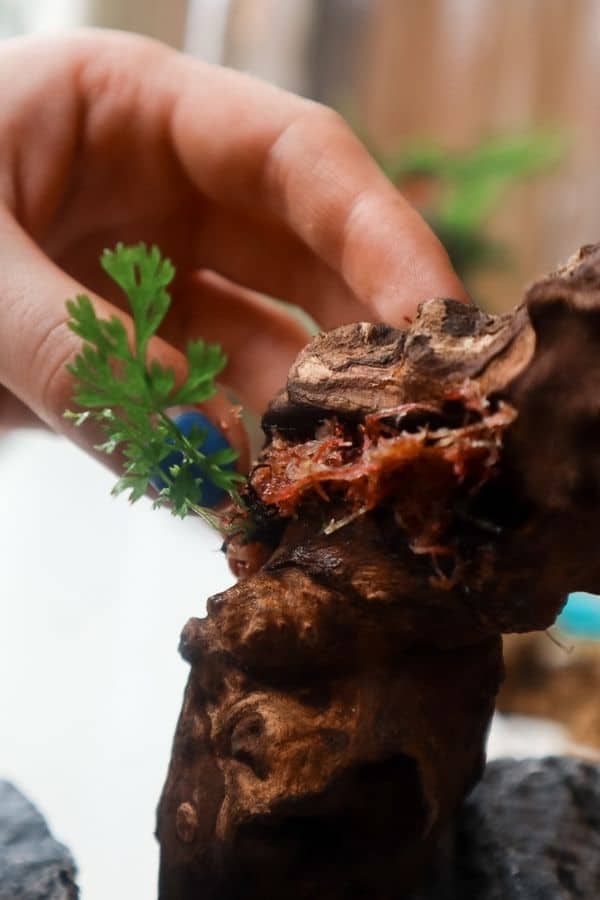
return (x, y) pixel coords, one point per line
(94, 596)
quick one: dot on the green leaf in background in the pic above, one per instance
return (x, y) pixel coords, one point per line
(457, 192)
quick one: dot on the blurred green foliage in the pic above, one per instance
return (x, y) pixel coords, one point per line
(457, 192)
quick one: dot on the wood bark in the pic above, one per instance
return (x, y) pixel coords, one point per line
(419, 494)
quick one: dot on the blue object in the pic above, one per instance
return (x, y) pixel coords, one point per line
(187, 422)
(581, 616)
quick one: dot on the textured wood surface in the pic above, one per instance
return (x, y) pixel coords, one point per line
(419, 493)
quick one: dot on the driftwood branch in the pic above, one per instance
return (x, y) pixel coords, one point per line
(419, 494)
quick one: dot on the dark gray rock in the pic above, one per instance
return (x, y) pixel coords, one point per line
(531, 831)
(33, 866)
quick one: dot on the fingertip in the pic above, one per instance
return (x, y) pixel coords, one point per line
(398, 301)
(395, 262)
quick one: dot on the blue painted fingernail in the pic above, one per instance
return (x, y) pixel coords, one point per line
(213, 441)
(581, 616)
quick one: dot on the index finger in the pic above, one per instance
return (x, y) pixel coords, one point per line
(245, 143)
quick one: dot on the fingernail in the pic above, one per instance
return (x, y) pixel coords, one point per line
(187, 422)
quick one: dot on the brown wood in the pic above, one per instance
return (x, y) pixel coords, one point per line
(419, 494)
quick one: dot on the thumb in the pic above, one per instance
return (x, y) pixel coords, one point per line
(36, 343)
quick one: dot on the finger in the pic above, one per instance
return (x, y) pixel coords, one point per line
(117, 134)
(266, 257)
(246, 143)
(14, 414)
(261, 338)
(36, 343)
(263, 256)
(249, 147)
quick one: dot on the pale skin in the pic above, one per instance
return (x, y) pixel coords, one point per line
(107, 137)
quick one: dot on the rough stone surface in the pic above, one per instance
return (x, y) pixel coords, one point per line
(531, 831)
(33, 866)
(410, 510)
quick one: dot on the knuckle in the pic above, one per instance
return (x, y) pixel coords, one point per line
(315, 124)
(328, 121)
(312, 136)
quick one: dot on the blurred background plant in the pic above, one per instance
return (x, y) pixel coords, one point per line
(456, 72)
(458, 192)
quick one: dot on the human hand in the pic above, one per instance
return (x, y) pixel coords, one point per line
(108, 137)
